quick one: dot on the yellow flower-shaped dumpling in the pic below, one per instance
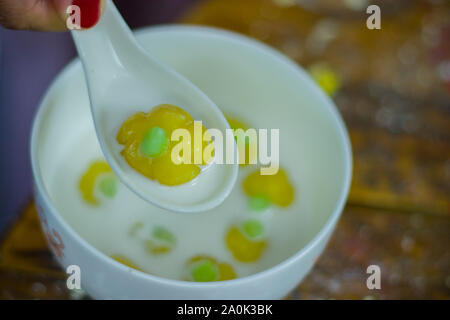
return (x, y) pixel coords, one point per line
(247, 242)
(266, 189)
(204, 268)
(157, 241)
(162, 241)
(148, 146)
(98, 179)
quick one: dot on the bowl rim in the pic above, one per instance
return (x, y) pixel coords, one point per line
(239, 39)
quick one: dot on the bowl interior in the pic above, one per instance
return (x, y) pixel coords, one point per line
(245, 79)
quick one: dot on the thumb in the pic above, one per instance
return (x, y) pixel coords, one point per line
(46, 15)
(33, 14)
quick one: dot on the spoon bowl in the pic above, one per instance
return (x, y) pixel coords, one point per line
(123, 79)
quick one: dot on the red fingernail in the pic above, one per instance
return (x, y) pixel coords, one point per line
(90, 12)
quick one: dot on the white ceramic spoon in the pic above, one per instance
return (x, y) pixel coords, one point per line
(124, 79)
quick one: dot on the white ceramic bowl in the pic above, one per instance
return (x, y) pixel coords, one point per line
(240, 75)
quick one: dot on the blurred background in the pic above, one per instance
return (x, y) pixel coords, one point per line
(392, 87)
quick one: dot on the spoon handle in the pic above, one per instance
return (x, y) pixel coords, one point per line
(103, 49)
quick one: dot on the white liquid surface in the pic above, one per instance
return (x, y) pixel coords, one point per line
(108, 225)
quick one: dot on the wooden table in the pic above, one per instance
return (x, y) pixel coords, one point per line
(394, 97)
